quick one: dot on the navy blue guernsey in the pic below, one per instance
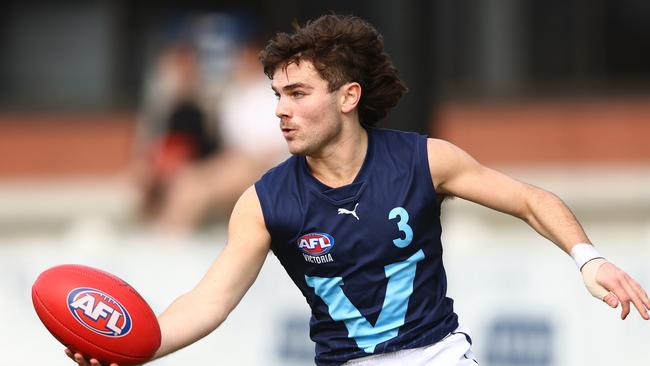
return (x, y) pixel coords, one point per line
(367, 256)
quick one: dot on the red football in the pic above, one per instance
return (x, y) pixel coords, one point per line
(96, 314)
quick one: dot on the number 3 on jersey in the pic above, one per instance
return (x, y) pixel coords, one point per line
(402, 226)
(398, 290)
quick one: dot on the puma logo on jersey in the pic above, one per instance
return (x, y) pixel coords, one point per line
(343, 211)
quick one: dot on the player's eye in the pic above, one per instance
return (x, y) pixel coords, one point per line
(277, 96)
(297, 94)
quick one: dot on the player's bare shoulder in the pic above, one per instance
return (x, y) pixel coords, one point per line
(447, 160)
(247, 219)
(248, 203)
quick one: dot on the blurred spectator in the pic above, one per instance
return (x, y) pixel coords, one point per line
(173, 126)
(214, 135)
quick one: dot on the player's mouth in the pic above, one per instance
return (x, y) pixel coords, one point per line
(288, 132)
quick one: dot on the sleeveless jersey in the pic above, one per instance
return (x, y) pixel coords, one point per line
(366, 256)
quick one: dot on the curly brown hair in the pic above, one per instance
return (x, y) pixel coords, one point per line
(342, 48)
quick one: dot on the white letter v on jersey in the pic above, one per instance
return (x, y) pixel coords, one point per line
(393, 311)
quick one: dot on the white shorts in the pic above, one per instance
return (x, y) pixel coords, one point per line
(453, 350)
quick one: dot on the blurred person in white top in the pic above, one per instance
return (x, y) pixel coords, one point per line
(251, 145)
(246, 112)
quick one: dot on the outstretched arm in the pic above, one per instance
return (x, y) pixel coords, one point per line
(195, 314)
(456, 173)
(225, 283)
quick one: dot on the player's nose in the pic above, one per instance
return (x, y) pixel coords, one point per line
(282, 109)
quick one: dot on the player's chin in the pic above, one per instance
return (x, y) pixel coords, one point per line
(297, 149)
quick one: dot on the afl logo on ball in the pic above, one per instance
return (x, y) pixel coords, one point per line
(99, 312)
(316, 243)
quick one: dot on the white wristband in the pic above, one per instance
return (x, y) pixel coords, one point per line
(583, 253)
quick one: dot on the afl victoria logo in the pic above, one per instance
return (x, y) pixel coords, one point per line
(99, 312)
(316, 244)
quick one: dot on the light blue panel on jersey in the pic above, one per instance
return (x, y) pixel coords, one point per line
(393, 312)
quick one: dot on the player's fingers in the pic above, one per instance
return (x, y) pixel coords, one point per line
(643, 296)
(611, 300)
(94, 362)
(69, 353)
(622, 286)
(636, 293)
(621, 296)
(626, 309)
(624, 298)
(646, 300)
(81, 361)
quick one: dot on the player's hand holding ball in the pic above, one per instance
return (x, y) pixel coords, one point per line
(81, 361)
(100, 318)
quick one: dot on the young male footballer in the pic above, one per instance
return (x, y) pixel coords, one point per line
(354, 214)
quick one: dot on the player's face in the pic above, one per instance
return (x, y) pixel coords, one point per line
(309, 114)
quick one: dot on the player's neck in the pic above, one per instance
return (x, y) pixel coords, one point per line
(340, 163)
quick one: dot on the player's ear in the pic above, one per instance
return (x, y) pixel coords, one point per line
(350, 96)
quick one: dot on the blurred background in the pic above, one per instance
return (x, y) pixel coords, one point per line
(128, 129)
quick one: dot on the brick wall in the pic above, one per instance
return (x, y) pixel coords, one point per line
(592, 132)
